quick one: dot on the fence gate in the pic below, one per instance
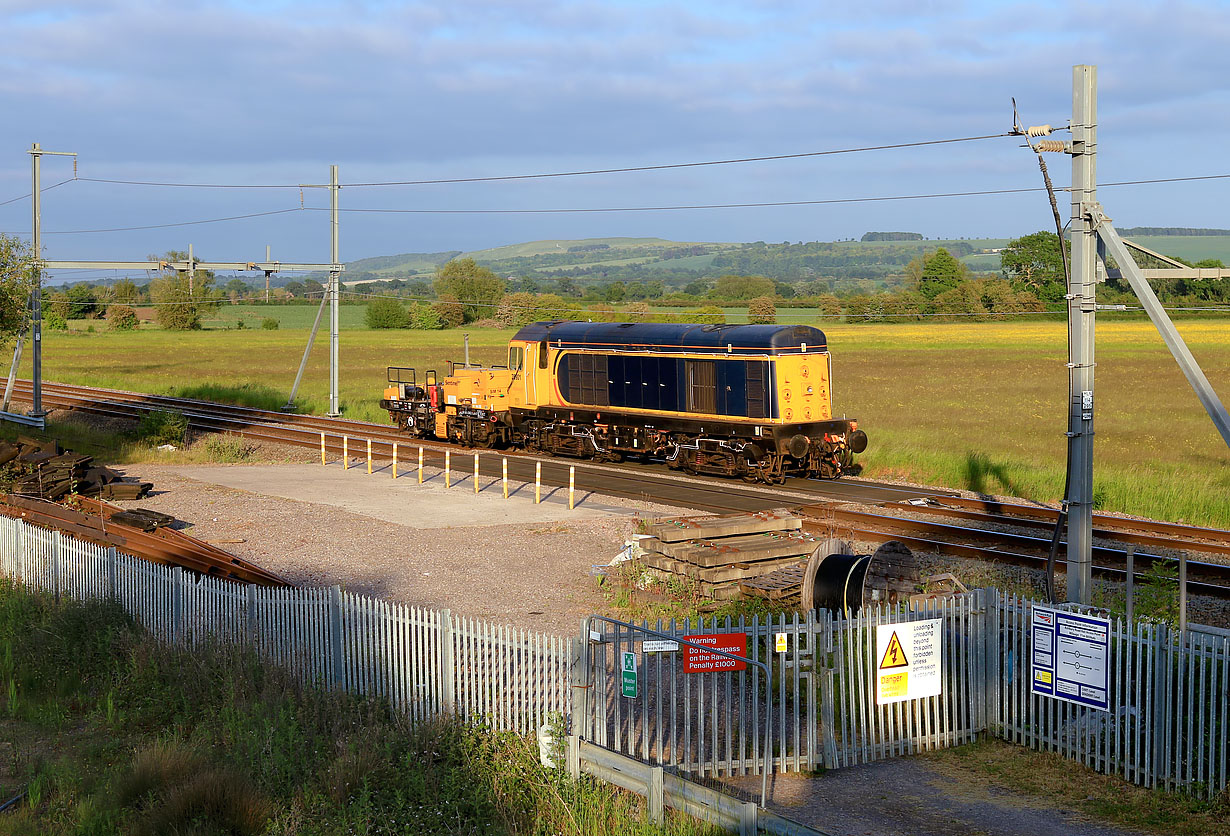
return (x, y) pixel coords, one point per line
(675, 708)
(857, 730)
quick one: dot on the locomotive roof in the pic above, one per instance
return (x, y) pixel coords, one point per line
(718, 339)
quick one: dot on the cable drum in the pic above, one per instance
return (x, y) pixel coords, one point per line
(842, 582)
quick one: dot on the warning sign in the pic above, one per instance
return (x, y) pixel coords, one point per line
(910, 661)
(894, 656)
(698, 661)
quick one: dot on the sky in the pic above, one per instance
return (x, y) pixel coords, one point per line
(273, 93)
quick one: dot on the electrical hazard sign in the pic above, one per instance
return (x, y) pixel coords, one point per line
(894, 656)
(910, 661)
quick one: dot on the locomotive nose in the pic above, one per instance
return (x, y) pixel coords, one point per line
(798, 445)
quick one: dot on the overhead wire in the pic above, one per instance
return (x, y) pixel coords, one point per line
(43, 190)
(543, 175)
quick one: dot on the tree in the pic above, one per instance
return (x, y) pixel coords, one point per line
(82, 301)
(1034, 263)
(180, 301)
(451, 313)
(615, 292)
(124, 292)
(17, 279)
(940, 272)
(477, 289)
(387, 313)
(696, 288)
(762, 311)
(708, 315)
(828, 304)
(740, 288)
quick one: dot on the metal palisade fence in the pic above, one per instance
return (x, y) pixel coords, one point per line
(809, 688)
(425, 663)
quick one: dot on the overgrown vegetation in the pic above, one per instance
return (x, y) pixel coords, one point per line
(159, 427)
(112, 733)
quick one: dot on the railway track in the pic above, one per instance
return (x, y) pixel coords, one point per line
(1015, 533)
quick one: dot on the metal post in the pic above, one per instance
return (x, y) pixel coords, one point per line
(36, 300)
(345, 452)
(334, 282)
(1183, 596)
(338, 667)
(191, 273)
(572, 485)
(8, 387)
(420, 465)
(394, 459)
(466, 339)
(656, 796)
(1131, 582)
(322, 449)
(1082, 304)
(476, 473)
(504, 469)
(448, 465)
(369, 457)
(447, 662)
(537, 482)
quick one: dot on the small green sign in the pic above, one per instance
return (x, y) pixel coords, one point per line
(629, 674)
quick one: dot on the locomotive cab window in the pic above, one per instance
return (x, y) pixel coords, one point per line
(702, 386)
(542, 354)
(516, 356)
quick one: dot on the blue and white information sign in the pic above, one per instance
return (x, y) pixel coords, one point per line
(1071, 657)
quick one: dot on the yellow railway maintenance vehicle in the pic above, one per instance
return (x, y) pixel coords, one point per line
(735, 400)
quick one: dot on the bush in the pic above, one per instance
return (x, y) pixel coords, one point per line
(54, 321)
(387, 313)
(708, 315)
(226, 448)
(451, 312)
(162, 427)
(122, 318)
(762, 311)
(268, 323)
(423, 317)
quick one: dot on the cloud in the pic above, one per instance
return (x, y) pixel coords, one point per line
(278, 90)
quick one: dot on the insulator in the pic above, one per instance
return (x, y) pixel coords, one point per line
(1051, 145)
(1038, 130)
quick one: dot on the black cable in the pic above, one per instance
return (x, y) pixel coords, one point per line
(579, 173)
(44, 190)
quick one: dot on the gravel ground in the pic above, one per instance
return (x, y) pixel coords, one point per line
(535, 575)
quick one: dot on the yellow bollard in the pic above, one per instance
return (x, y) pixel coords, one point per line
(420, 465)
(448, 463)
(394, 459)
(322, 448)
(345, 452)
(369, 457)
(572, 484)
(506, 478)
(537, 482)
(476, 473)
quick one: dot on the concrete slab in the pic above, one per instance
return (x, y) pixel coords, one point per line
(403, 500)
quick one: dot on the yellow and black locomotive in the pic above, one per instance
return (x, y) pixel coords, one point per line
(736, 400)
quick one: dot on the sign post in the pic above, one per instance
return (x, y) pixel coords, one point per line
(1071, 657)
(629, 674)
(910, 665)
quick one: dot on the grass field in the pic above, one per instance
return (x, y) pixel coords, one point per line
(971, 405)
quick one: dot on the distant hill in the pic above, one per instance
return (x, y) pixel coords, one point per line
(1157, 231)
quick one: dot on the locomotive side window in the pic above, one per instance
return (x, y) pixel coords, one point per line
(516, 356)
(587, 378)
(542, 354)
(757, 383)
(702, 386)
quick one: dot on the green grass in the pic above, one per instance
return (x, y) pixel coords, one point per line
(1054, 781)
(350, 317)
(1191, 247)
(970, 405)
(111, 732)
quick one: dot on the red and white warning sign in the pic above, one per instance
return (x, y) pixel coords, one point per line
(698, 661)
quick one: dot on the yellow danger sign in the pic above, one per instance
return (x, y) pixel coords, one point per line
(894, 655)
